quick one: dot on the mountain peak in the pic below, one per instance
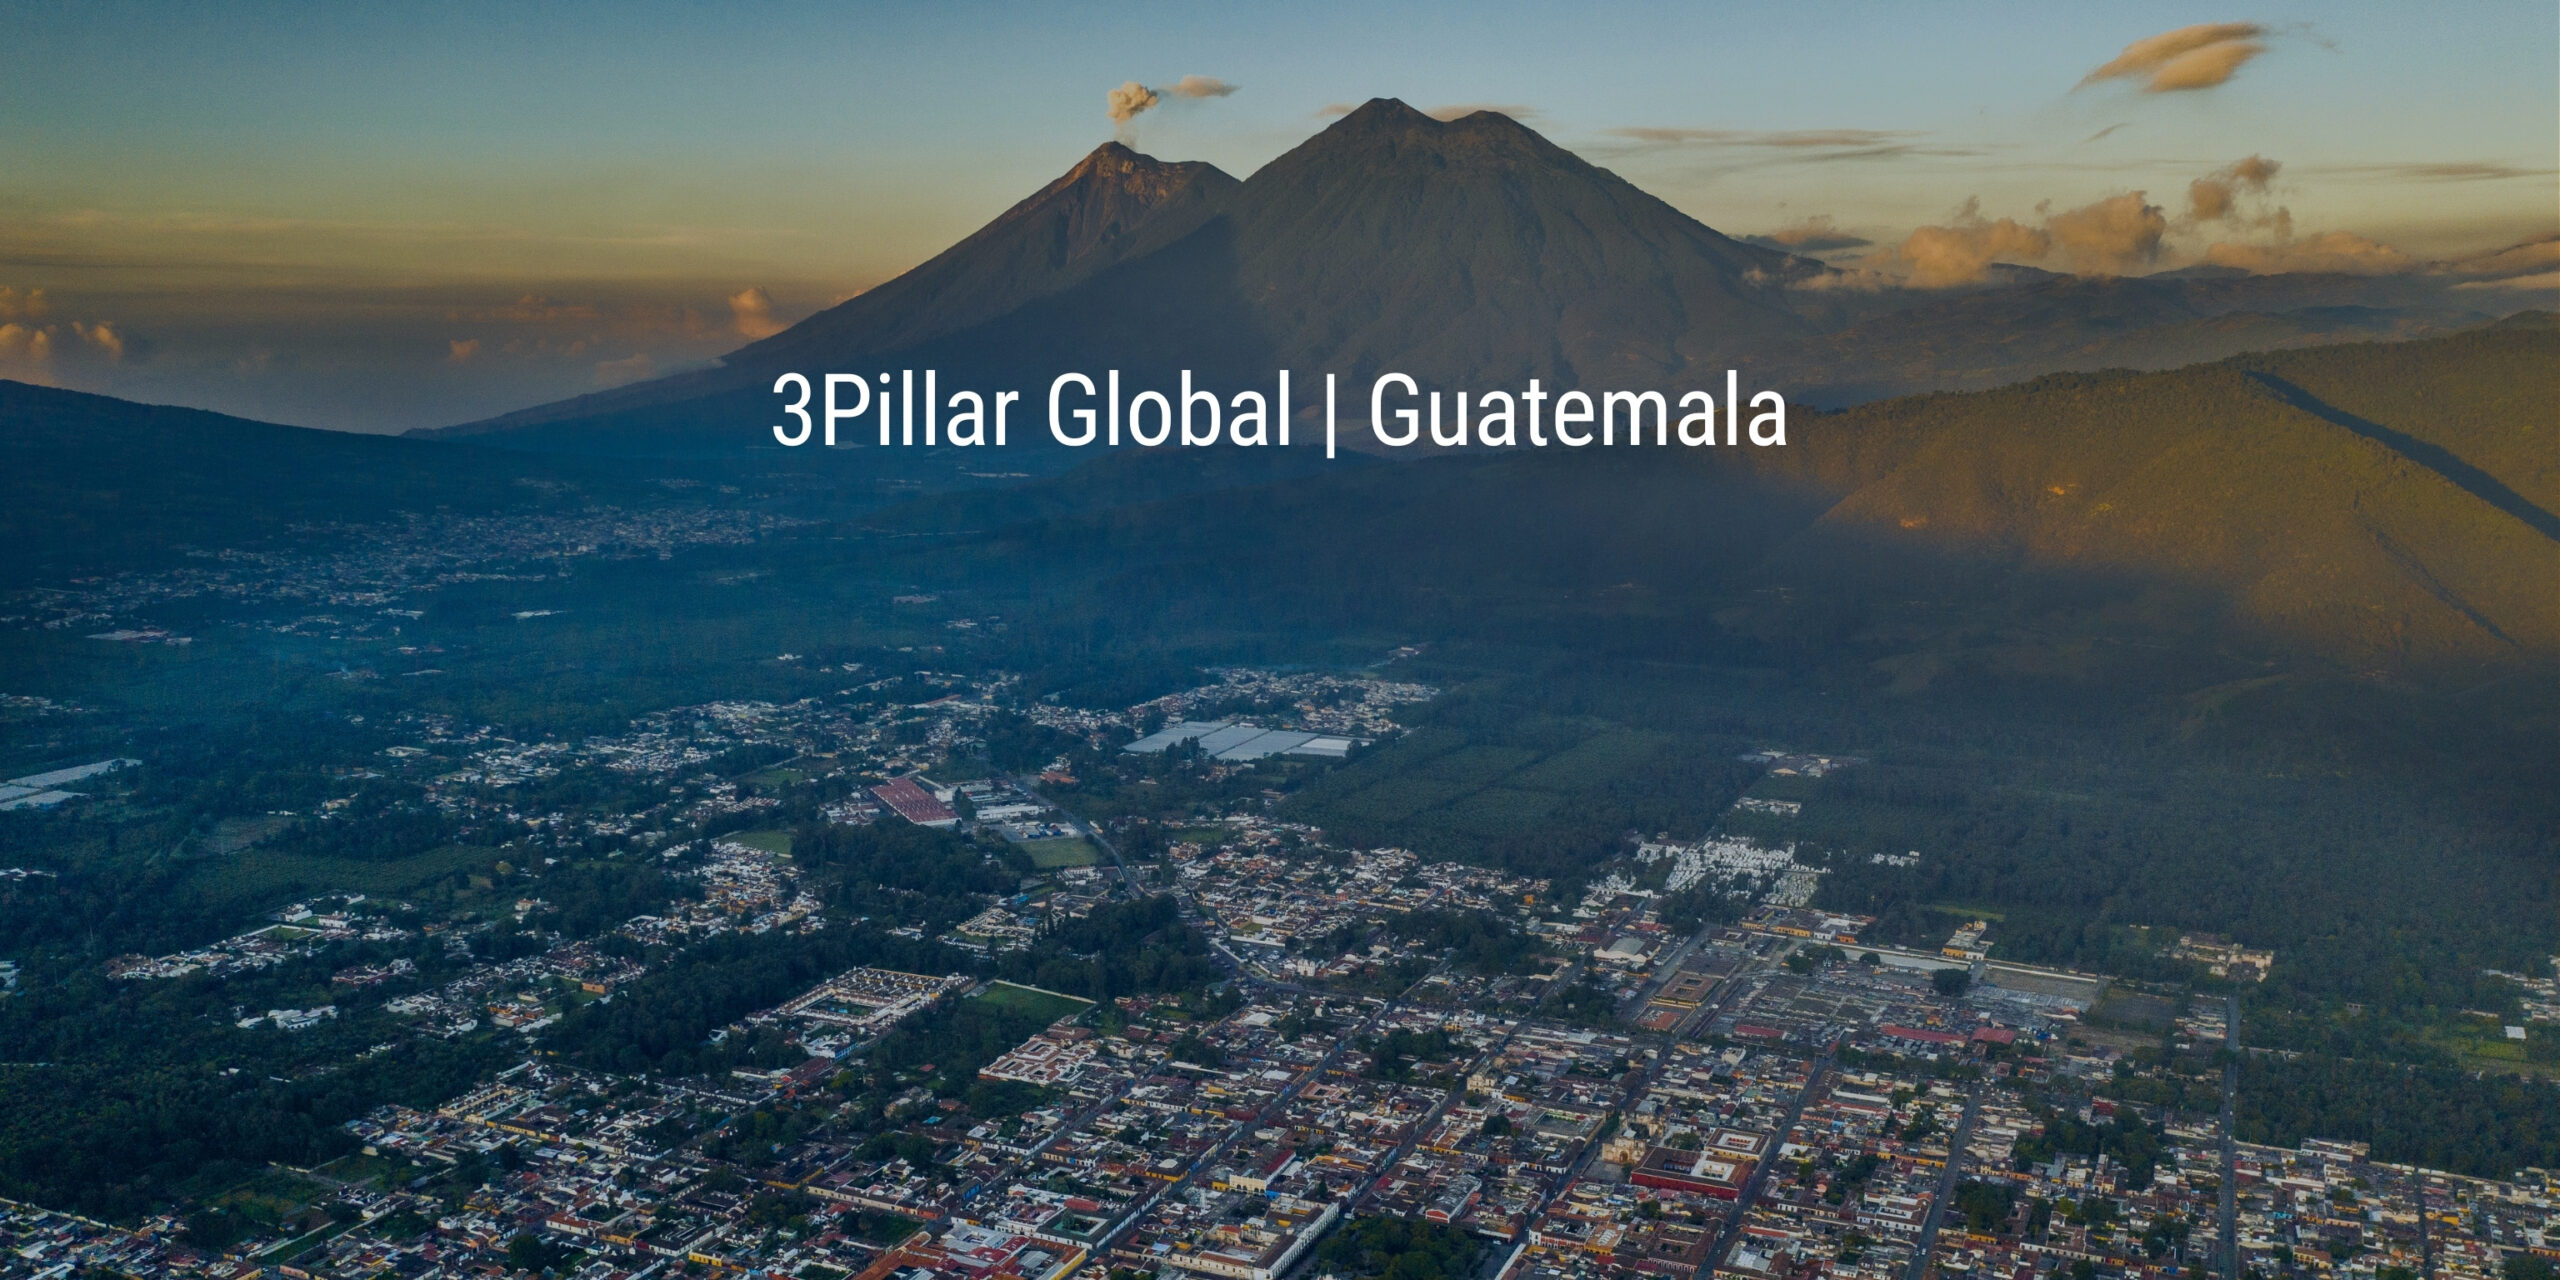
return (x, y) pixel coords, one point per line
(1387, 130)
(1082, 222)
(1383, 115)
(1134, 173)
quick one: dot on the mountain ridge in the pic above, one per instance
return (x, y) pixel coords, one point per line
(1471, 251)
(1464, 249)
(1081, 222)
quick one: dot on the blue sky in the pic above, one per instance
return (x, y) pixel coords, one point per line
(273, 200)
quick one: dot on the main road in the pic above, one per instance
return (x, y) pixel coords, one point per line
(1947, 1181)
(2230, 1250)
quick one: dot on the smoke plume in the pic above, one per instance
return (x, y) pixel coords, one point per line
(1131, 100)
(1128, 102)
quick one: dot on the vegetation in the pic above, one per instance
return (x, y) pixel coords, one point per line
(1399, 1249)
(2097, 752)
(2487, 1126)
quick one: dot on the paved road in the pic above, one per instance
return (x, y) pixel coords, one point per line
(1209, 1159)
(2426, 1243)
(1664, 970)
(1245, 971)
(1813, 1084)
(1421, 1130)
(2230, 1250)
(1085, 829)
(1947, 1179)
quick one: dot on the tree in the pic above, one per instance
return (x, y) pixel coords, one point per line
(530, 1252)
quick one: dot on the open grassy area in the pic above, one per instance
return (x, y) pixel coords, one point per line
(250, 876)
(2135, 1010)
(1060, 851)
(364, 1170)
(1028, 1000)
(2481, 1044)
(774, 841)
(273, 1192)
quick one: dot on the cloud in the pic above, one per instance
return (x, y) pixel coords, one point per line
(2115, 236)
(2455, 171)
(1791, 146)
(2235, 196)
(29, 347)
(103, 336)
(1816, 234)
(2215, 197)
(2337, 251)
(2538, 281)
(752, 309)
(615, 373)
(461, 350)
(534, 308)
(1962, 251)
(2532, 256)
(2203, 68)
(30, 305)
(1789, 138)
(2196, 57)
(25, 343)
(2102, 133)
(1851, 279)
(1198, 87)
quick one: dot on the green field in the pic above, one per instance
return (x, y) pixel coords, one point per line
(257, 877)
(1036, 1003)
(1060, 851)
(774, 841)
(2482, 1045)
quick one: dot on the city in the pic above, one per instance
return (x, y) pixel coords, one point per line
(1619, 1088)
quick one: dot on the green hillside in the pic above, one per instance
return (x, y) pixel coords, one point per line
(2406, 538)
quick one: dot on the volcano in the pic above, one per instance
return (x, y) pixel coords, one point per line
(1468, 250)
(1082, 223)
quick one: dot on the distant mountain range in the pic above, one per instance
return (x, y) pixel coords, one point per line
(2385, 505)
(2387, 509)
(1470, 252)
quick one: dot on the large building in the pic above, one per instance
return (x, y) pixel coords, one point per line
(915, 804)
(1258, 1248)
(1236, 743)
(1718, 1167)
(867, 1002)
